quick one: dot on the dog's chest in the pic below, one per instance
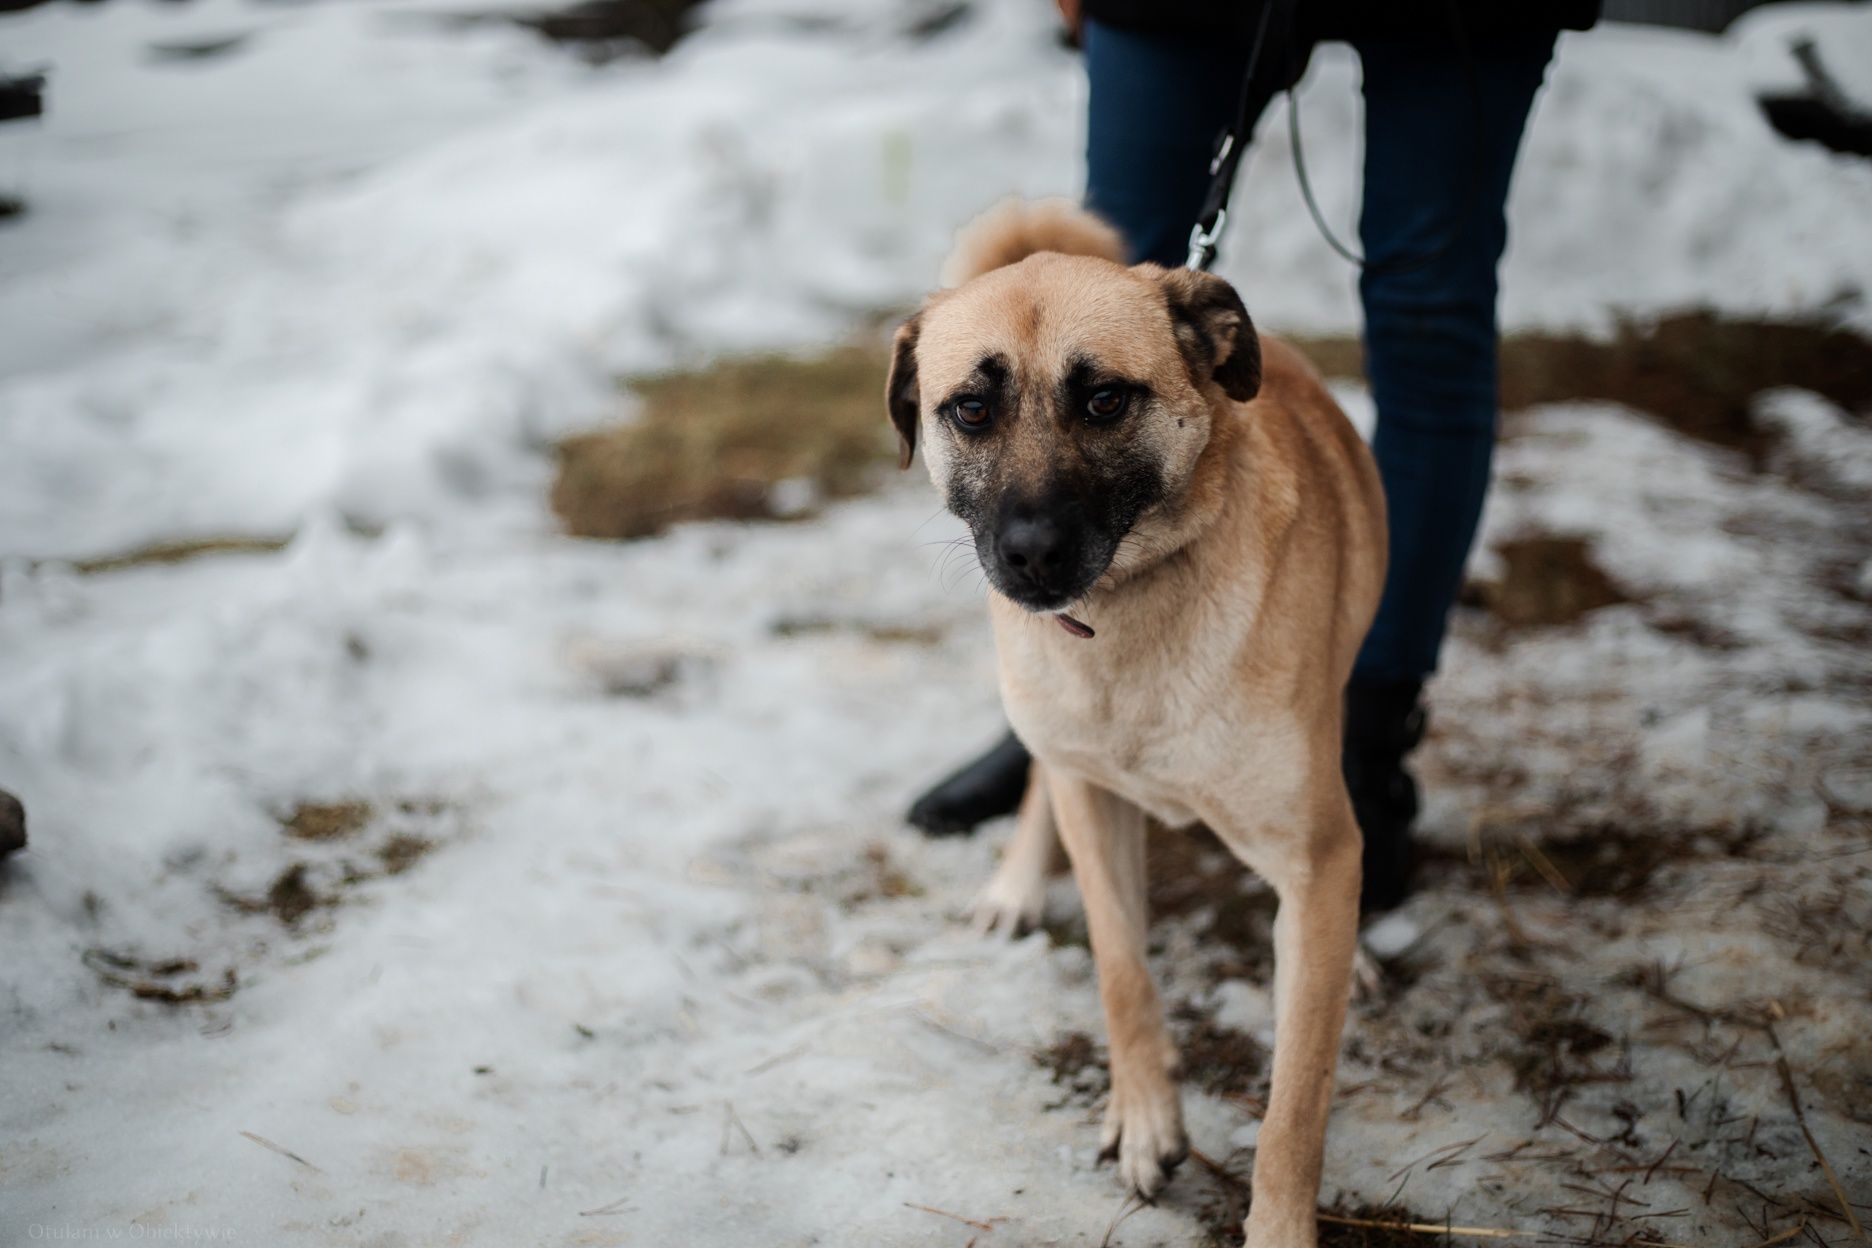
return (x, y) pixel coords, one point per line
(1134, 722)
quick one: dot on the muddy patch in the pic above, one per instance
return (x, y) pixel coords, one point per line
(326, 821)
(1551, 1045)
(343, 844)
(877, 878)
(1194, 877)
(1195, 880)
(606, 28)
(1217, 1059)
(1076, 1065)
(1607, 861)
(1220, 1203)
(750, 439)
(597, 31)
(1577, 857)
(1546, 580)
(403, 851)
(170, 981)
(769, 438)
(1698, 372)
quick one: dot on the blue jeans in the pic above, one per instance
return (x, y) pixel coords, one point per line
(1435, 170)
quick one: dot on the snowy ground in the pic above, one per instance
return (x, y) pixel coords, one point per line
(616, 936)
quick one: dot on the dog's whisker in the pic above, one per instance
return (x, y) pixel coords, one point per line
(940, 511)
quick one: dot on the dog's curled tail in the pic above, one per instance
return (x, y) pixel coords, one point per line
(1014, 229)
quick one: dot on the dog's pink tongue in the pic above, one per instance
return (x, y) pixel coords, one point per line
(1072, 626)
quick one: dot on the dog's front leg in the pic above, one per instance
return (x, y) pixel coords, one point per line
(1014, 899)
(1104, 838)
(1315, 936)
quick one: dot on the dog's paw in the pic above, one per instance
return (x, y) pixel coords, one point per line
(1011, 903)
(1144, 1132)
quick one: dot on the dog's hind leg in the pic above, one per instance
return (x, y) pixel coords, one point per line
(1014, 898)
(1315, 873)
(1104, 837)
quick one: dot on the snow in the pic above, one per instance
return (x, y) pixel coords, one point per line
(672, 970)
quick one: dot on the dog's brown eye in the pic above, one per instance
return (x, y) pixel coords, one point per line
(971, 413)
(1107, 404)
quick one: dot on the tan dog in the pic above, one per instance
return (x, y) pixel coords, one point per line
(1186, 542)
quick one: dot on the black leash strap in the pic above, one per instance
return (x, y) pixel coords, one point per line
(1230, 148)
(1233, 145)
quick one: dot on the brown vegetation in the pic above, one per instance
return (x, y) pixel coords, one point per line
(1697, 372)
(1546, 579)
(713, 444)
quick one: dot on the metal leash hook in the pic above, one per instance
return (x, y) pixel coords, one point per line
(1203, 242)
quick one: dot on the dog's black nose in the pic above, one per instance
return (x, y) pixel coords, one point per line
(1032, 546)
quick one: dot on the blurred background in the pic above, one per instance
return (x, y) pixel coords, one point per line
(465, 649)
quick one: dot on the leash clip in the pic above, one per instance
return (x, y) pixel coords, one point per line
(1202, 243)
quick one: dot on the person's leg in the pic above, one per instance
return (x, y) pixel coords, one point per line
(1442, 129)
(1157, 103)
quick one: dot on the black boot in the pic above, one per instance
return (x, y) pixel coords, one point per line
(991, 785)
(1384, 722)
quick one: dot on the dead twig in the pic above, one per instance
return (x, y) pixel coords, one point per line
(1800, 1117)
(1431, 1228)
(1131, 1205)
(730, 1118)
(944, 1213)
(1543, 864)
(1499, 871)
(1784, 1236)
(761, 1068)
(1665, 1156)
(287, 1153)
(1454, 1151)
(930, 1020)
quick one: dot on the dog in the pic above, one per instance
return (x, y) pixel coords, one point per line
(1185, 542)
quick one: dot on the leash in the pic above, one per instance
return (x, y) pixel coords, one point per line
(1232, 145)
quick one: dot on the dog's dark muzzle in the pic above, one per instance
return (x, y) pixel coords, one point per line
(1044, 560)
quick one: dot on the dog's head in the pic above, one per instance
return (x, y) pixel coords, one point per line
(1062, 397)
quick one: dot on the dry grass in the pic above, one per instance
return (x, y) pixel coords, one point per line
(179, 552)
(1546, 580)
(1695, 371)
(326, 821)
(170, 981)
(713, 444)
(356, 842)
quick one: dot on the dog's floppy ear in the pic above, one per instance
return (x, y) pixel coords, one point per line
(1212, 327)
(900, 391)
